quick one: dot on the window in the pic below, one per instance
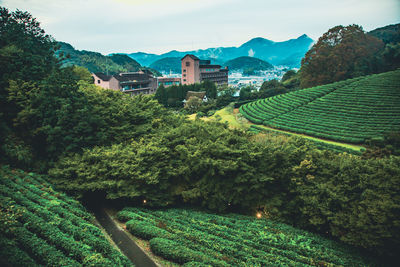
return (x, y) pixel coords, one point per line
(184, 75)
(98, 81)
(184, 70)
(184, 80)
(187, 64)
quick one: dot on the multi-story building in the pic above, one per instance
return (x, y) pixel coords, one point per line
(168, 81)
(195, 70)
(132, 83)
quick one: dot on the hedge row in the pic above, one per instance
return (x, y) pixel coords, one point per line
(350, 111)
(40, 226)
(318, 144)
(185, 237)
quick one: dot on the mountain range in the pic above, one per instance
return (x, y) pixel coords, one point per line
(288, 53)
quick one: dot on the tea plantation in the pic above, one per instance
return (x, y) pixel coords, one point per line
(350, 111)
(42, 227)
(195, 238)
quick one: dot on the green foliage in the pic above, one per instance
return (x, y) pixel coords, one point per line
(161, 95)
(234, 240)
(167, 64)
(175, 94)
(251, 64)
(349, 111)
(193, 104)
(207, 165)
(40, 226)
(318, 144)
(341, 53)
(288, 75)
(177, 162)
(354, 200)
(388, 34)
(96, 62)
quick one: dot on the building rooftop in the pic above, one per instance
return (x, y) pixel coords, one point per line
(200, 94)
(191, 56)
(102, 76)
(132, 77)
(210, 66)
(168, 79)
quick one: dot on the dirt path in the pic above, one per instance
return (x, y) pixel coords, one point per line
(125, 244)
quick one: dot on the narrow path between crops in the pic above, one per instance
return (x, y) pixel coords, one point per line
(123, 241)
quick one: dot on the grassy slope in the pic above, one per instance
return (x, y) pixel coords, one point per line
(186, 236)
(226, 115)
(236, 120)
(354, 147)
(40, 226)
(349, 111)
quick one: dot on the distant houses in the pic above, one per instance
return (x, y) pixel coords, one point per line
(194, 70)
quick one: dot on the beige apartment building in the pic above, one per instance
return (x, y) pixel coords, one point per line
(195, 70)
(132, 83)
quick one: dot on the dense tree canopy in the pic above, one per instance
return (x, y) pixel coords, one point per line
(96, 140)
(47, 110)
(341, 53)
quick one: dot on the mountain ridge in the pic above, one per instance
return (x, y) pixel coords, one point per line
(291, 51)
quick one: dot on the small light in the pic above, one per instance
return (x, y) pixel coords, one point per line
(229, 204)
(258, 215)
(144, 201)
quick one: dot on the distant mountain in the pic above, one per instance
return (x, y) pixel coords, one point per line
(248, 63)
(167, 64)
(96, 62)
(288, 52)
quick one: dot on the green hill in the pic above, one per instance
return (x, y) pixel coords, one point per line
(40, 226)
(96, 62)
(248, 63)
(201, 239)
(349, 111)
(167, 64)
(388, 34)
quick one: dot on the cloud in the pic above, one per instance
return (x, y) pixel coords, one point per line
(251, 53)
(160, 25)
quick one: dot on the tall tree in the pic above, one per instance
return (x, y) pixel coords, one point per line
(341, 53)
(161, 95)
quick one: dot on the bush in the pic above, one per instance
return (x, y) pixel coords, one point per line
(145, 230)
(200, 115)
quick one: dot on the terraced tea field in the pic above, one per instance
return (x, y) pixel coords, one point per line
(42, 227)
(348, 111)
(195, 238)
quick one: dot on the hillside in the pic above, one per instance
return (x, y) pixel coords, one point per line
(198, 239)
(43, 227)
(388, 34)
(248, 63)
(288, 52)
(167, 64)
(96, 62)
(350, 111)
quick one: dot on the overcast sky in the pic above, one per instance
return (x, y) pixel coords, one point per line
(158, 26)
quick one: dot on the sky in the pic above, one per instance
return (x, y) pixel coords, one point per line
(158, 26)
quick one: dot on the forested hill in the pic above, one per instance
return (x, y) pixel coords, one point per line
(167, 64)
(388, 34)
(248, 63)
(96, 62)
